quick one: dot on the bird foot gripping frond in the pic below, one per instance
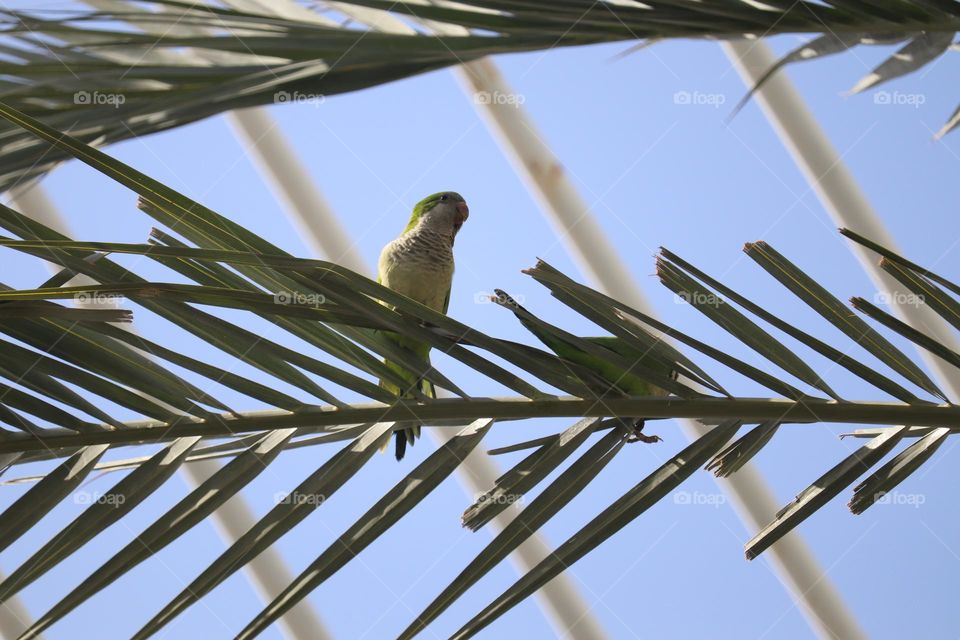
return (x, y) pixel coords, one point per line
(639, 436)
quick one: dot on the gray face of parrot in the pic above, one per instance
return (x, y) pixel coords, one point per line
(446, 213)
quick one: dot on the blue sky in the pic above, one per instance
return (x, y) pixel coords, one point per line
(655, 173)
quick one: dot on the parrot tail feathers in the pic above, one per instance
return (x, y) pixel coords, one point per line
(401, 446)
(408, 436)
(404, 437)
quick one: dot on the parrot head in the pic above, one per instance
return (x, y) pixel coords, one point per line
(445, 211)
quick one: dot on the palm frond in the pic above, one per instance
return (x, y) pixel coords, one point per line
(340, 317)
(628, 507)
(132, 68)
(395, 504)
(547, 504)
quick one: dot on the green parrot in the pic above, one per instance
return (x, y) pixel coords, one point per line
(610, 373)
(419, 265)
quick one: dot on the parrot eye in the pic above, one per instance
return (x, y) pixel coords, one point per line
(444, 197)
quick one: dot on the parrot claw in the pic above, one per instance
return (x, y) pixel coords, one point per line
(639, 436)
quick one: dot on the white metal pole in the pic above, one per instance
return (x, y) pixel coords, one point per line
(800, 572)
(14, 617)
(837, 190)
(291, 184)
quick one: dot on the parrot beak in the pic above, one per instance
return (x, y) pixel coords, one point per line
(463, 212)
